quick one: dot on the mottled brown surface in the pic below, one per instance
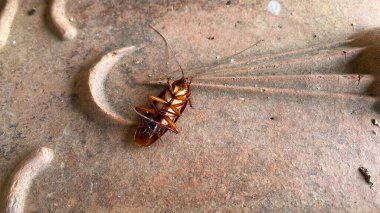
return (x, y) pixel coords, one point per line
(254, 144)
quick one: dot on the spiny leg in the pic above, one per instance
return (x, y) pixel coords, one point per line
(151, 100)
(188, 95)
(182, 98)
(175, 110)
(149, 119)
(190, 103)
(172, 125)
(143, 109)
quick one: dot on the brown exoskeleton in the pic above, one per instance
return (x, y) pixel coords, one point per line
(163, 110)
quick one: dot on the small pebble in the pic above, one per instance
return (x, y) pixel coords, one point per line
(232, 60)
(242, 99)
(375, 122)
(71, 19)
(14, 42)
(366, 175)
(62, 166)
(217, 57)
(49, 195)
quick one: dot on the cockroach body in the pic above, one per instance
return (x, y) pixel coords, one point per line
(163, 111)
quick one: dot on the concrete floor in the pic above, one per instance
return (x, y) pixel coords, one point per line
(283, 127)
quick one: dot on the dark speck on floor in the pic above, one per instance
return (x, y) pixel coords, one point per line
(32, 11)
(375, 122)
(366, 175)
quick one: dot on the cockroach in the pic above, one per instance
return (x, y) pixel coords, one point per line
(163, 110)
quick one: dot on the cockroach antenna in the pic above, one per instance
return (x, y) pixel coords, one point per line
(242, 51)
(168, 47)
(218, 62)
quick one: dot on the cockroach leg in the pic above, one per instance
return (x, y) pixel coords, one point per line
(145, 109)
(182, 98)
(18, 185)
(154, 98)
(188, 95)
(6, 19)
(149, 119)
(151, 100)
(175, 110)
(190, 103)
(166, 111)
(172, 125)
(60, 21)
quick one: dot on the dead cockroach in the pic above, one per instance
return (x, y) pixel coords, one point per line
(163, 110)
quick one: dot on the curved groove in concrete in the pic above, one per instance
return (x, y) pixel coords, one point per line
(6, 19)
(63, 26)
(19, 183)
(97, 78)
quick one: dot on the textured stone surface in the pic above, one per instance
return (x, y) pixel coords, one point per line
(292, 142)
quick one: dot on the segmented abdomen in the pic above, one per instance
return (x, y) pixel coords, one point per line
(180, 105)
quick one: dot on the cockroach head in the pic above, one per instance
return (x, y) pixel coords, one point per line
(187, 80)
